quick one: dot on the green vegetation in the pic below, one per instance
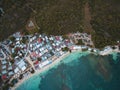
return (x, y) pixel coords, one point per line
(105, 22)
(39, 59)
(32, 71)
(80, 42)
(59, 16)
(6, 87)
(52, 16)
(12, 38)
(86, 49)
(65, 49)
(13, 55)
(24, 40)
(62, 17)
(21, 76)
(15, 17)
(12, 61)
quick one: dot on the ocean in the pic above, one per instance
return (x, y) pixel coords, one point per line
(79, 71)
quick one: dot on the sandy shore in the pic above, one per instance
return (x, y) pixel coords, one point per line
(41, 70)
(110, 52)
(47, 68)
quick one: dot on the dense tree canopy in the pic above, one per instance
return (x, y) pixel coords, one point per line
(63, 16)
(105, 21)
(60, 16)
(52, 16)
(16, 13)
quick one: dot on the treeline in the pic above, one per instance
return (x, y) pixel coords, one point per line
(61, 17)
(16, 14)
(105, 21)
(52, 16)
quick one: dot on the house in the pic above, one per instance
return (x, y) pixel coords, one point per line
(30, 24)
(4, 72)
(107, 50)
(84, 47)
(76, 47)
(89, 49)
(4, 77)
(22, 65)
(3, 66)
(10, 73)
(16, 70)
(3, 62)
(10, 68)
(17, 39)
(41, 65)
(95, 50)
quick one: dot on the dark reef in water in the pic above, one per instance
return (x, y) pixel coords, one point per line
(65, 87)
(83, 72)
(101, 65)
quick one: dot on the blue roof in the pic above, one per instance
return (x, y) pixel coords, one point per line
(4, 72)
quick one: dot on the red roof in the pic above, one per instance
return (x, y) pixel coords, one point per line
(39, 40)
(4, 76)
(67, 41)
(34, 54)
(57, 38)
(37, 62)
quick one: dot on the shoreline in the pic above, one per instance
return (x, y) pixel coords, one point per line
(47, 67)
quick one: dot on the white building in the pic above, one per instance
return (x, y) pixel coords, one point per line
(41, 65)
(107, 50)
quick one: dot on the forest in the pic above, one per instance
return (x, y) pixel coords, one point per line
(60, 17)
(14, 18)
(52, 16)
(105, 21)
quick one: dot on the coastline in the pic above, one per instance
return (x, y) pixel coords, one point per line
(53, 61)
(47, 67)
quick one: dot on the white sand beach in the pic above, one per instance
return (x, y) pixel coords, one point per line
(49, 66)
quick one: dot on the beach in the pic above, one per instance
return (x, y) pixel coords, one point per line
(76, 68)
(47, 67)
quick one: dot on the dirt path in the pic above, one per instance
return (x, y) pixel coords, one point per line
(87, 18)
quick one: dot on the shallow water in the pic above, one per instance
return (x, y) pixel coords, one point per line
(79, 71)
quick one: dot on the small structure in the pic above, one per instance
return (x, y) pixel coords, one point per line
(107, 50)
(30, 24)
(16, 70)
(41, 65)
(76, 47)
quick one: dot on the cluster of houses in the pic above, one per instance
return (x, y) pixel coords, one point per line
(109, 49)
(6, 68)
(18, 47)
(43, 48)
(40, 48)
(12, 62)
(86, 39)
(85, 48)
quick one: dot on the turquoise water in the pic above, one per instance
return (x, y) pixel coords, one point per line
(79, 71)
